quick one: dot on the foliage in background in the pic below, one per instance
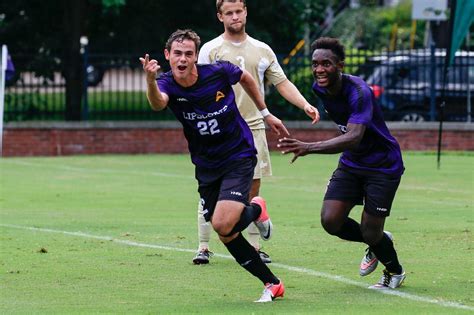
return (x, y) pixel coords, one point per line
(45, 30)
(371, 27)
(120, 26)
(50, 30)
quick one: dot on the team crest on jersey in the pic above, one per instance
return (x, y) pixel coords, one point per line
(219, 96)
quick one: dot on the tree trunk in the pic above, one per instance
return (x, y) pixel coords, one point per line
(72, 60)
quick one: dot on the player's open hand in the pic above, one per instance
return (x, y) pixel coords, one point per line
(298, 148)
(276, 125)
(151, 68)
(312, 112)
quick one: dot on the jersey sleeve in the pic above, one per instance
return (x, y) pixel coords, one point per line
(274, 73)
(203, 57)
(361, 104)
(233, 72)
(163, 85)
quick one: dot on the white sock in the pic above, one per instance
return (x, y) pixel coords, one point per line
(204, 229)
(254, 236)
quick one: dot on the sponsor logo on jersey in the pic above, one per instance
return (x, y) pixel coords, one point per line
(182, 99)
(382, 209)
(236, 193)
(219, 96)
(196, 116)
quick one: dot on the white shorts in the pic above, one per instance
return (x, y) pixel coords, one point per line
(264, 166)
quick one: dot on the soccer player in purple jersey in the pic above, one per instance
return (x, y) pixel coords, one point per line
(237, 46)
(220, 143)
(370, 167)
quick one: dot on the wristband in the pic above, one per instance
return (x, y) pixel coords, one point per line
(265, 112)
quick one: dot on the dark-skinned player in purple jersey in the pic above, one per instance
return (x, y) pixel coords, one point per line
(220, 143)
(370, 166)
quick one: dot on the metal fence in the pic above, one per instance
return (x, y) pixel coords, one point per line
(115, 91)
(407, 84)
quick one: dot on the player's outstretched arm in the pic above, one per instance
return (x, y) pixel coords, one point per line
(295, 146)
(251, 88)
(289, 91)
(349, 140)
(157, 100)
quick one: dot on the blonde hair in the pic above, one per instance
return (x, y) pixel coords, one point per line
(219, 3)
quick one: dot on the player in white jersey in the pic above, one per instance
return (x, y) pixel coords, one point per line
(236, 46)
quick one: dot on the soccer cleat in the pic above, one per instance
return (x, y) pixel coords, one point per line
(389, 281)
(271, 292)
(369, 261)
(202, 257)
(263, 222)
(264, 257)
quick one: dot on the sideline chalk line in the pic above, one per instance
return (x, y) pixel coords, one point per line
(307, 271)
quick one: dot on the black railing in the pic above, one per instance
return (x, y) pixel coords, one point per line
(402, 84)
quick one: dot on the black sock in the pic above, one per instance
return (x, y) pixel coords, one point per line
(246, 255)
(387, 255)
(249, 214)
(350, 231)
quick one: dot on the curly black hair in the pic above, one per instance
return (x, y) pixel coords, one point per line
(332, 44)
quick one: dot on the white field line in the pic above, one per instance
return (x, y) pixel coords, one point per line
(307, 271)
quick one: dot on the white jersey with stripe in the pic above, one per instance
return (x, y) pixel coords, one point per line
(254, 56)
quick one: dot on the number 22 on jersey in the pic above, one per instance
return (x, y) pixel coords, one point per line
(208, 127)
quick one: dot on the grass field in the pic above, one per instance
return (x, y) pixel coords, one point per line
(116, 234)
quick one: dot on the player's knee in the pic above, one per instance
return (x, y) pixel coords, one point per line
(330, 225)
(223, 228)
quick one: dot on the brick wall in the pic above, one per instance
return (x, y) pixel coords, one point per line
(50, 139)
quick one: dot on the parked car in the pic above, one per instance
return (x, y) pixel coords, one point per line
(402, 83)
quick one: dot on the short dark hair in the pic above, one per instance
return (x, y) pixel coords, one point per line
(181, 35)
(332, 44)
(219, 3)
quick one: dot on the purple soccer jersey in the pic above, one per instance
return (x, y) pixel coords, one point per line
(378, 150)
(212, 124)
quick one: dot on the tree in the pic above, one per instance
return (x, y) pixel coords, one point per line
(49, 31)
(371, 27)
(74, 11)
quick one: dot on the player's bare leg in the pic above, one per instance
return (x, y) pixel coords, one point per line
(335, 220)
